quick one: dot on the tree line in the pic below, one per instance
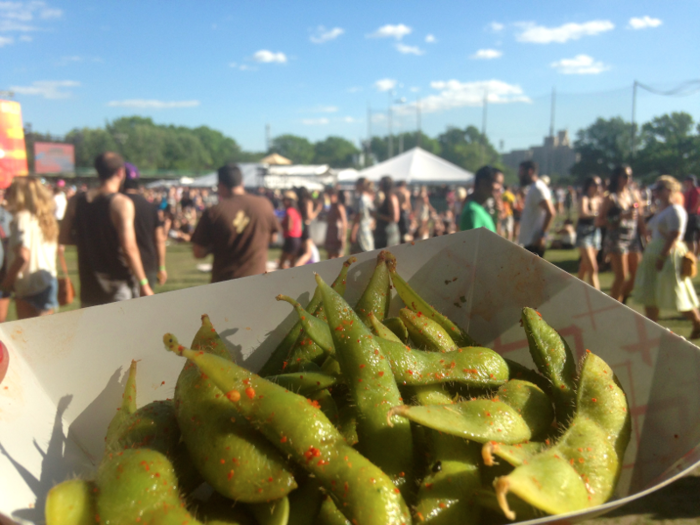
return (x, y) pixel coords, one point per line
(667, 144)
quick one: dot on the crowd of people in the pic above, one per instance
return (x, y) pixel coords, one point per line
(648, 236)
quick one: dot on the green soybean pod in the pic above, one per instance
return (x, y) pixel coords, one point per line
(426, 333)
(521, 414)
(304, 383)
(72, 502)
(395, 324)
(446, 493)
(377, 295)
(218, 510)
(381, 330)
(372, 387)
(271, 512)
(301, 431)
(329, 514)
(228, 452)
(318, 330)
(139, 485)
(305, 503)
(554, 360)
(127, 408)
(276, 362)
(416, 303)
(514, 455)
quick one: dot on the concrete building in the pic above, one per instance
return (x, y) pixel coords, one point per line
(555, 157)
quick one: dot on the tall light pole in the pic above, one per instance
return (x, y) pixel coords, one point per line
(418, 137)
(634, 116)
(391, 138)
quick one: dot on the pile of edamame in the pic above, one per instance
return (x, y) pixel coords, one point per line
(362, 419)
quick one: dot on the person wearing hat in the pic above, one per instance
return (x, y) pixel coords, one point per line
(237, 230)
(150, 234)
(100, 222)
(659, 283)
(291, 230)
(691, 202)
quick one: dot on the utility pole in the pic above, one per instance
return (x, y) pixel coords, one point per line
(554, 102)
(369, 135)
(634, 115)
(549, 152)
(268, 141)
(483, 128)
(391, 138)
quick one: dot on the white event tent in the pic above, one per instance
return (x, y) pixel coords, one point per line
(417, 166)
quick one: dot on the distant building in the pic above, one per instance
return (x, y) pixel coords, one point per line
(555, 157)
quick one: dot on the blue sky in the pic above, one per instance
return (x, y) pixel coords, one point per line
(313, 68)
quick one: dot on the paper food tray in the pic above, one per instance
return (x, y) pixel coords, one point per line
(67, 371)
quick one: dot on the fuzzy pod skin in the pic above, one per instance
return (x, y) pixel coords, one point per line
(592, 448)
(305, 383)
(426, 333)
(381, 330)
(395, 324)
(446, 493)
(416, 303)
(305, 503)
(218, 510)
(514, 455)
(554, 360)
(72, 502)
(139, 486)
(518, 371)
(127, 408)
(510, 417)
(373, 389)
(329, 514)
(228, 452)
(301, 431)
(377, 295)
(276, 362)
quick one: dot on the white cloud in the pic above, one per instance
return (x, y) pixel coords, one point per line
(139, 103)
(487, 54)
(385, 84)
(6, 40)
(495, 27)
(546, 35)
(265, 56)
(409, 50)
(324, 35)
(455, 94)
(644, 22)
(315, 121)
(579, 65)
(47, 88)
(21, 16)
(391, 31)
(430, 39)
(325, 109)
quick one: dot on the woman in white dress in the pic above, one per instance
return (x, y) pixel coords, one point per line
(659, 284)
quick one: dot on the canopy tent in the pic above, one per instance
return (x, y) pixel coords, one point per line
(252, 175)
(417, 166)
(276, 159)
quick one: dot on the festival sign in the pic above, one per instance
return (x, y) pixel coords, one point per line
(50, 157)
(13, 154)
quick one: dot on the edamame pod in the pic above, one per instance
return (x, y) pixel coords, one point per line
(317, 329)
(514, 455)
(426, 333)
(329, 514)
(554, 360)
(128, 407)
(228, 452)
(299, 429)
(372, 388)
(381, 330)
(72, 502)
(272, 512)
(276, 362)
(304, 383)
(524, 411)
(139, 485)
(377, 296)
(305, 503)
(395, 324)
(416, 303)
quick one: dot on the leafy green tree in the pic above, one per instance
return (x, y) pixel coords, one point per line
(380, 145)
(336, 152)
(221, 149)
(669, 146)
(297, 149)
(89, 143)
(601, 146)
(467, 148)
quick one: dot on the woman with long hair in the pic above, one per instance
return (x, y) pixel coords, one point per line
(337, 220)
(361, 238)
(32, 248)
(659, 283)
(619, 215)
(386, 231)
(587, 233)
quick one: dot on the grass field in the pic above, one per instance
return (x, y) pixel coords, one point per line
(677, 504)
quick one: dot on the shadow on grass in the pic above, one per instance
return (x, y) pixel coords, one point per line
(568, 265)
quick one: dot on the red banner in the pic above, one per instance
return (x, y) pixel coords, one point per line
(50, 157)
(13, 154)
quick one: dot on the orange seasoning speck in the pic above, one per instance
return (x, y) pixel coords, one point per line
(250, 392)
(233, 395)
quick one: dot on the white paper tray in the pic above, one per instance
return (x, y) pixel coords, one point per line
(67, 371)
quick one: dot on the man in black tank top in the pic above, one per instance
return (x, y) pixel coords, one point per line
(100, 222)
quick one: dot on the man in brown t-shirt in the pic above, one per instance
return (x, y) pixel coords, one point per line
(237, 230)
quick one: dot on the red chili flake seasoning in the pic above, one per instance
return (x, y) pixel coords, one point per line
(588, 351)
(283, 439)
(230, 474)
(410, 372)
(538, 313)
(381, 374)
(442, 505)
(376, 352)
(313, 452)
(284, 364)
(246, 381)
(222, 461)
(233, 395)
(314, 403)
(250, 392)
(594, 400)
(162, 383)
(362, 366)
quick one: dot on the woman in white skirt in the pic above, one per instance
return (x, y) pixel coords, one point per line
(659, 284)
